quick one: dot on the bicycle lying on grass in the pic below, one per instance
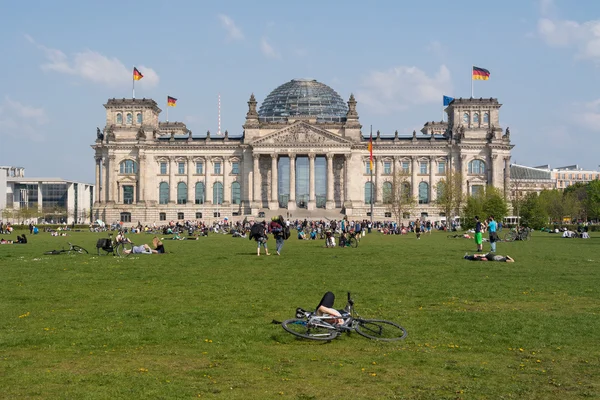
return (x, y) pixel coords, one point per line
(309, 325)
(73, 249)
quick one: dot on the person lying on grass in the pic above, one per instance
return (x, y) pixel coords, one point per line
(325, 307)
(488, 257)
(143, 249)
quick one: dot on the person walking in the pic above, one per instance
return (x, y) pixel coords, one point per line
(492, 229)
(276, 229)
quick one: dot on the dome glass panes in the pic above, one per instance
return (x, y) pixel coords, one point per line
(303, 97)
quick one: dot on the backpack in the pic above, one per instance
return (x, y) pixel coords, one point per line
(257, 230)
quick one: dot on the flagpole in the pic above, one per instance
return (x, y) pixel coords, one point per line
(133, 84)
(167, 109)
(371, 170)
(472, 66)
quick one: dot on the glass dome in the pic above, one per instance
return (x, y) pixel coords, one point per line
(303, 97)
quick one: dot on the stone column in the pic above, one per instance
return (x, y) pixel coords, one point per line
(98, 183)
(506, 177)
(172, 182)
(292, 199)
(492, 170)
(114, 173)
(256, 190)
(465, 173)
(414, 184)
(274, 183)
(190, 180)
(226, 192)
(377, 192)
(347, 199)
(431, 178)
(141, 187)
(311, 182)
(330, 202)
(107, 176)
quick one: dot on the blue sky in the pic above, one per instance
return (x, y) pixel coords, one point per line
(63, 59)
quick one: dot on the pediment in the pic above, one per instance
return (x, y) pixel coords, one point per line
(301, 134)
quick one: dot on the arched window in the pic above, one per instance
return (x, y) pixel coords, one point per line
(163, 193)
(119, 118)
(387, 192)
(128, 167)
(368, 192)
(440, 188)
(181, 193)
(199, 193)
(466, 118)
(423, 193)
(236, 193)
(218, 193)
(477, 167)
(486, 118)
(129, 118)
(476, 118)
(138, 118)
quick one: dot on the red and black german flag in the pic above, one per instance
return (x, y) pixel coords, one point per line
(171, 101)
(137, 75)
(481, 74)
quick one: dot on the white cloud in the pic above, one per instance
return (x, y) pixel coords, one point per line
(233, 32)
(583, 37)
(401, 87)
(268, 50)
(22, 121)
(587, 115)
(94, 67)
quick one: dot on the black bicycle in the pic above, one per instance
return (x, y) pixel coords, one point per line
(309, 325)
(522, 234)
(73, 249)
(106, 246)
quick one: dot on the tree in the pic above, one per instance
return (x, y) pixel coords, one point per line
(559, 205)
(533, 213)
(593, 199)
(398, 198)
(484, 204)
(28, 213)
(517, 195)
(578, 193)
(449, 194)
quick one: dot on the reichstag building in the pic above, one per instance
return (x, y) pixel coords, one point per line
(302, 153)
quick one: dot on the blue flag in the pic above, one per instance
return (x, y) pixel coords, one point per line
(447, 100)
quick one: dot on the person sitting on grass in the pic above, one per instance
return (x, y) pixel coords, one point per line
(343, 240)
(159, 248)
(301, 235)
(488, 257)
(325, 308)
(21, 239)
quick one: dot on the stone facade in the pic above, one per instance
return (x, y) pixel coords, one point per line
(150, 171)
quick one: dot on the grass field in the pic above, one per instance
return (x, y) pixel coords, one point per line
(197, 322)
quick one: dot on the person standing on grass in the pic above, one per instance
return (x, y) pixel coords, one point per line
(260, 236)
(277, 230)
(492, 229)
(418, 228)
(478, 234)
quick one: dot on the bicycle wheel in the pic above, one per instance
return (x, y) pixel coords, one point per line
(302, 328)
(124, 249)
(510, 237)
(451, 236)
(380, 329)
(78, 250)
(353, 242)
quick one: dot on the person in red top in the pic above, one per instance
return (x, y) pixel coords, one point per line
(276, 228)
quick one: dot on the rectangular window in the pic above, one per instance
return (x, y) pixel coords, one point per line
(216, 214)
(199, 168)
(217, 168)
(181, 168)
(163, 168)
(405, 167)
(180, 216)
(125, 217)
(442, 167)
(127, 195)
(162, 216)
(388, 215)
(368, 167)
(235, 168)
(387, 168)
(198, 215)
(423, 166)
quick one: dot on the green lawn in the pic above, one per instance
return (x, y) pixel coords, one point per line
(197, 322)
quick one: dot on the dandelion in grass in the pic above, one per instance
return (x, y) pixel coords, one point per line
(24, 315)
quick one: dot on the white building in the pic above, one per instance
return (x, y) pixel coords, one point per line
(303, 153)
(50, 199)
